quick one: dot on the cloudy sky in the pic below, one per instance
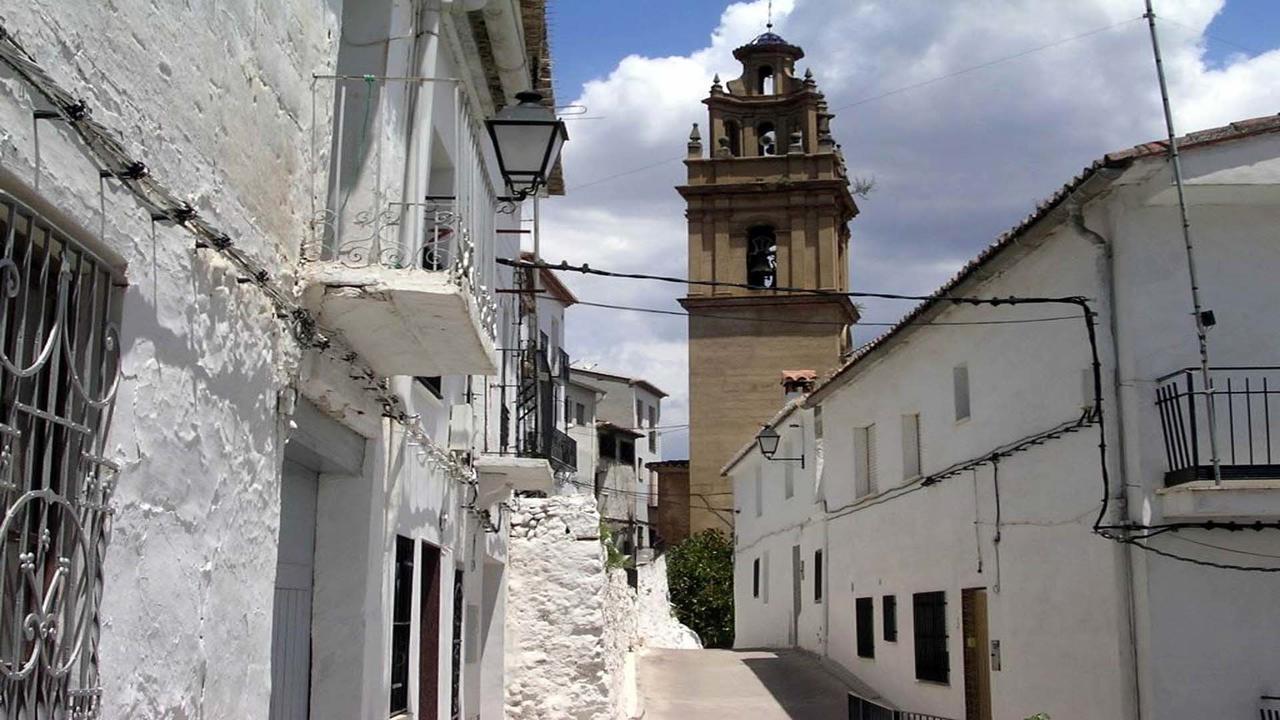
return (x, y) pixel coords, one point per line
(965, 112)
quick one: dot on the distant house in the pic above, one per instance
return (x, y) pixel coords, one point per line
(628, 439)
(947, 539)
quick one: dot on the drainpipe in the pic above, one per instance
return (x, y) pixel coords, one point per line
(1122, 500)
(506, 40)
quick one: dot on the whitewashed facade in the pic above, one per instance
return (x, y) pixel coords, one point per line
(298, 526)
(953, 470)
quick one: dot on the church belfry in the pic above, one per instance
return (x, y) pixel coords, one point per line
(768, 207)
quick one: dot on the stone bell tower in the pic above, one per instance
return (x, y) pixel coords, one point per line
(768, 208)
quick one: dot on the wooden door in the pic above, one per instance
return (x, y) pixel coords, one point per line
(796, 593)
(977, 663)
(291, 609)
(429, 634)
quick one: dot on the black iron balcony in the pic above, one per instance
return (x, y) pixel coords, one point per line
(557, 447)
(1248, 448)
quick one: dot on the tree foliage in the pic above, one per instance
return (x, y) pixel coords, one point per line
(700, 576)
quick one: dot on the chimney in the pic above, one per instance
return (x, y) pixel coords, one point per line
(798, 383)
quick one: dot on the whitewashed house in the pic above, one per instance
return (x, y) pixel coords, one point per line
(627, 412)
(252, 386)
(947, 541)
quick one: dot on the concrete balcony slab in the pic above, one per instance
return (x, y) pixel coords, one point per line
(1236, 499)
(502, 474)
(403, 321)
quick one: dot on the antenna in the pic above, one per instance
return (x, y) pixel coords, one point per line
(769, 25)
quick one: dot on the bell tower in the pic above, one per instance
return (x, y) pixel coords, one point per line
(768, 208)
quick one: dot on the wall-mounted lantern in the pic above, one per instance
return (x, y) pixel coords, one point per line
(527, 138)
(768, 440)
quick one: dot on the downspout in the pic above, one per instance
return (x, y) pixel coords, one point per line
(1122, 499)
(506, 38)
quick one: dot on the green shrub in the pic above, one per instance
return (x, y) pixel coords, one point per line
(700, 576)
(614, 558)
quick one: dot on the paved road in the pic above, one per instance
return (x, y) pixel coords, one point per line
(730, 684)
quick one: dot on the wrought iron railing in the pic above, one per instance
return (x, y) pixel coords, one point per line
(861, 708)
(372, 208)
(59, 371)
(1269, 707)
(1248, 445)
(554, 445)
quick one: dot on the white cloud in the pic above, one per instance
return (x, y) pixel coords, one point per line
(956, 161)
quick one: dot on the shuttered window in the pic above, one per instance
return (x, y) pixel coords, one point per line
(755, 578)
(960, 386)
(889, 615)
(864, 460)
(910, 446)
(817, 576)
(929, 621)
(864, 611)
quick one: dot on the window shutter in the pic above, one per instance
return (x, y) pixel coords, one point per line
(960, 384)
(759, 491)
(910, 446)
(861, 462)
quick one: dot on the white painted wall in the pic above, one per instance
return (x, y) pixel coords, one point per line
(1059, 596)
(187, 605)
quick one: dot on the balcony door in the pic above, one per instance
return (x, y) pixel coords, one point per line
(291, 609)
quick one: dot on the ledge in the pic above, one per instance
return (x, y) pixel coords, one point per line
(403, 321)
(501, 474)
(1251, 499)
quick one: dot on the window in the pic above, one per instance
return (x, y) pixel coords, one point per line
(401, 619)
(929, 621)
(432, 384)
(653, 416)
(608, 446)
(653, 440)
(653, 488)
(910, 446)
(733, 137)
(580, 413)
(960, 385)
(755, 578)
(764, 80)
(889, 616)
(762, 257)
(56, 496)
(639, 414)
(864, 463)
(767, 139)
(817, 576)
(864, 610)
(627, 451)
(764, 574)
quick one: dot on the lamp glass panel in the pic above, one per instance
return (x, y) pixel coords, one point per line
(522, 147)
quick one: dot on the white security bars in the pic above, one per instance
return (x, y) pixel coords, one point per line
(59, 371)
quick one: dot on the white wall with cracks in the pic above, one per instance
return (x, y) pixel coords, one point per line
(190, 567)
(575, 626)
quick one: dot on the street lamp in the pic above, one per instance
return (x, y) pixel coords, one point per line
(768, 439)
(527, 138)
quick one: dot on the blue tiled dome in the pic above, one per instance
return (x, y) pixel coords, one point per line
(769, 38)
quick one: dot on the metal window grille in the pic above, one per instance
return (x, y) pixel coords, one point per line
(864, 610)
(401, 620)
(929, 619)
(889, 616)
(59, 372)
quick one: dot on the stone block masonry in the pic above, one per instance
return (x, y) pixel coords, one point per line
(573, 626)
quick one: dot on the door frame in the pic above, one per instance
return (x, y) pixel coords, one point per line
(429, 632)
(976, 640)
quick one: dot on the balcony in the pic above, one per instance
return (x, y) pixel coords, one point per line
(403, 268)
(554, 445)
(1248, 444)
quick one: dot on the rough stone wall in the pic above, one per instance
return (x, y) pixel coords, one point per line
(573, 626)
(556, 589)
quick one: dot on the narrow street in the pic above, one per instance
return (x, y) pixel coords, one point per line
(759, 684)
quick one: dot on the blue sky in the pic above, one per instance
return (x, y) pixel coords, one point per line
(955, 161)
(590, 36)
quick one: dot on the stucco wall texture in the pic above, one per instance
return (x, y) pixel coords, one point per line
(219, 116)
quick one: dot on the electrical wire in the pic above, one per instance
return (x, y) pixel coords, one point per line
(830, 323)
